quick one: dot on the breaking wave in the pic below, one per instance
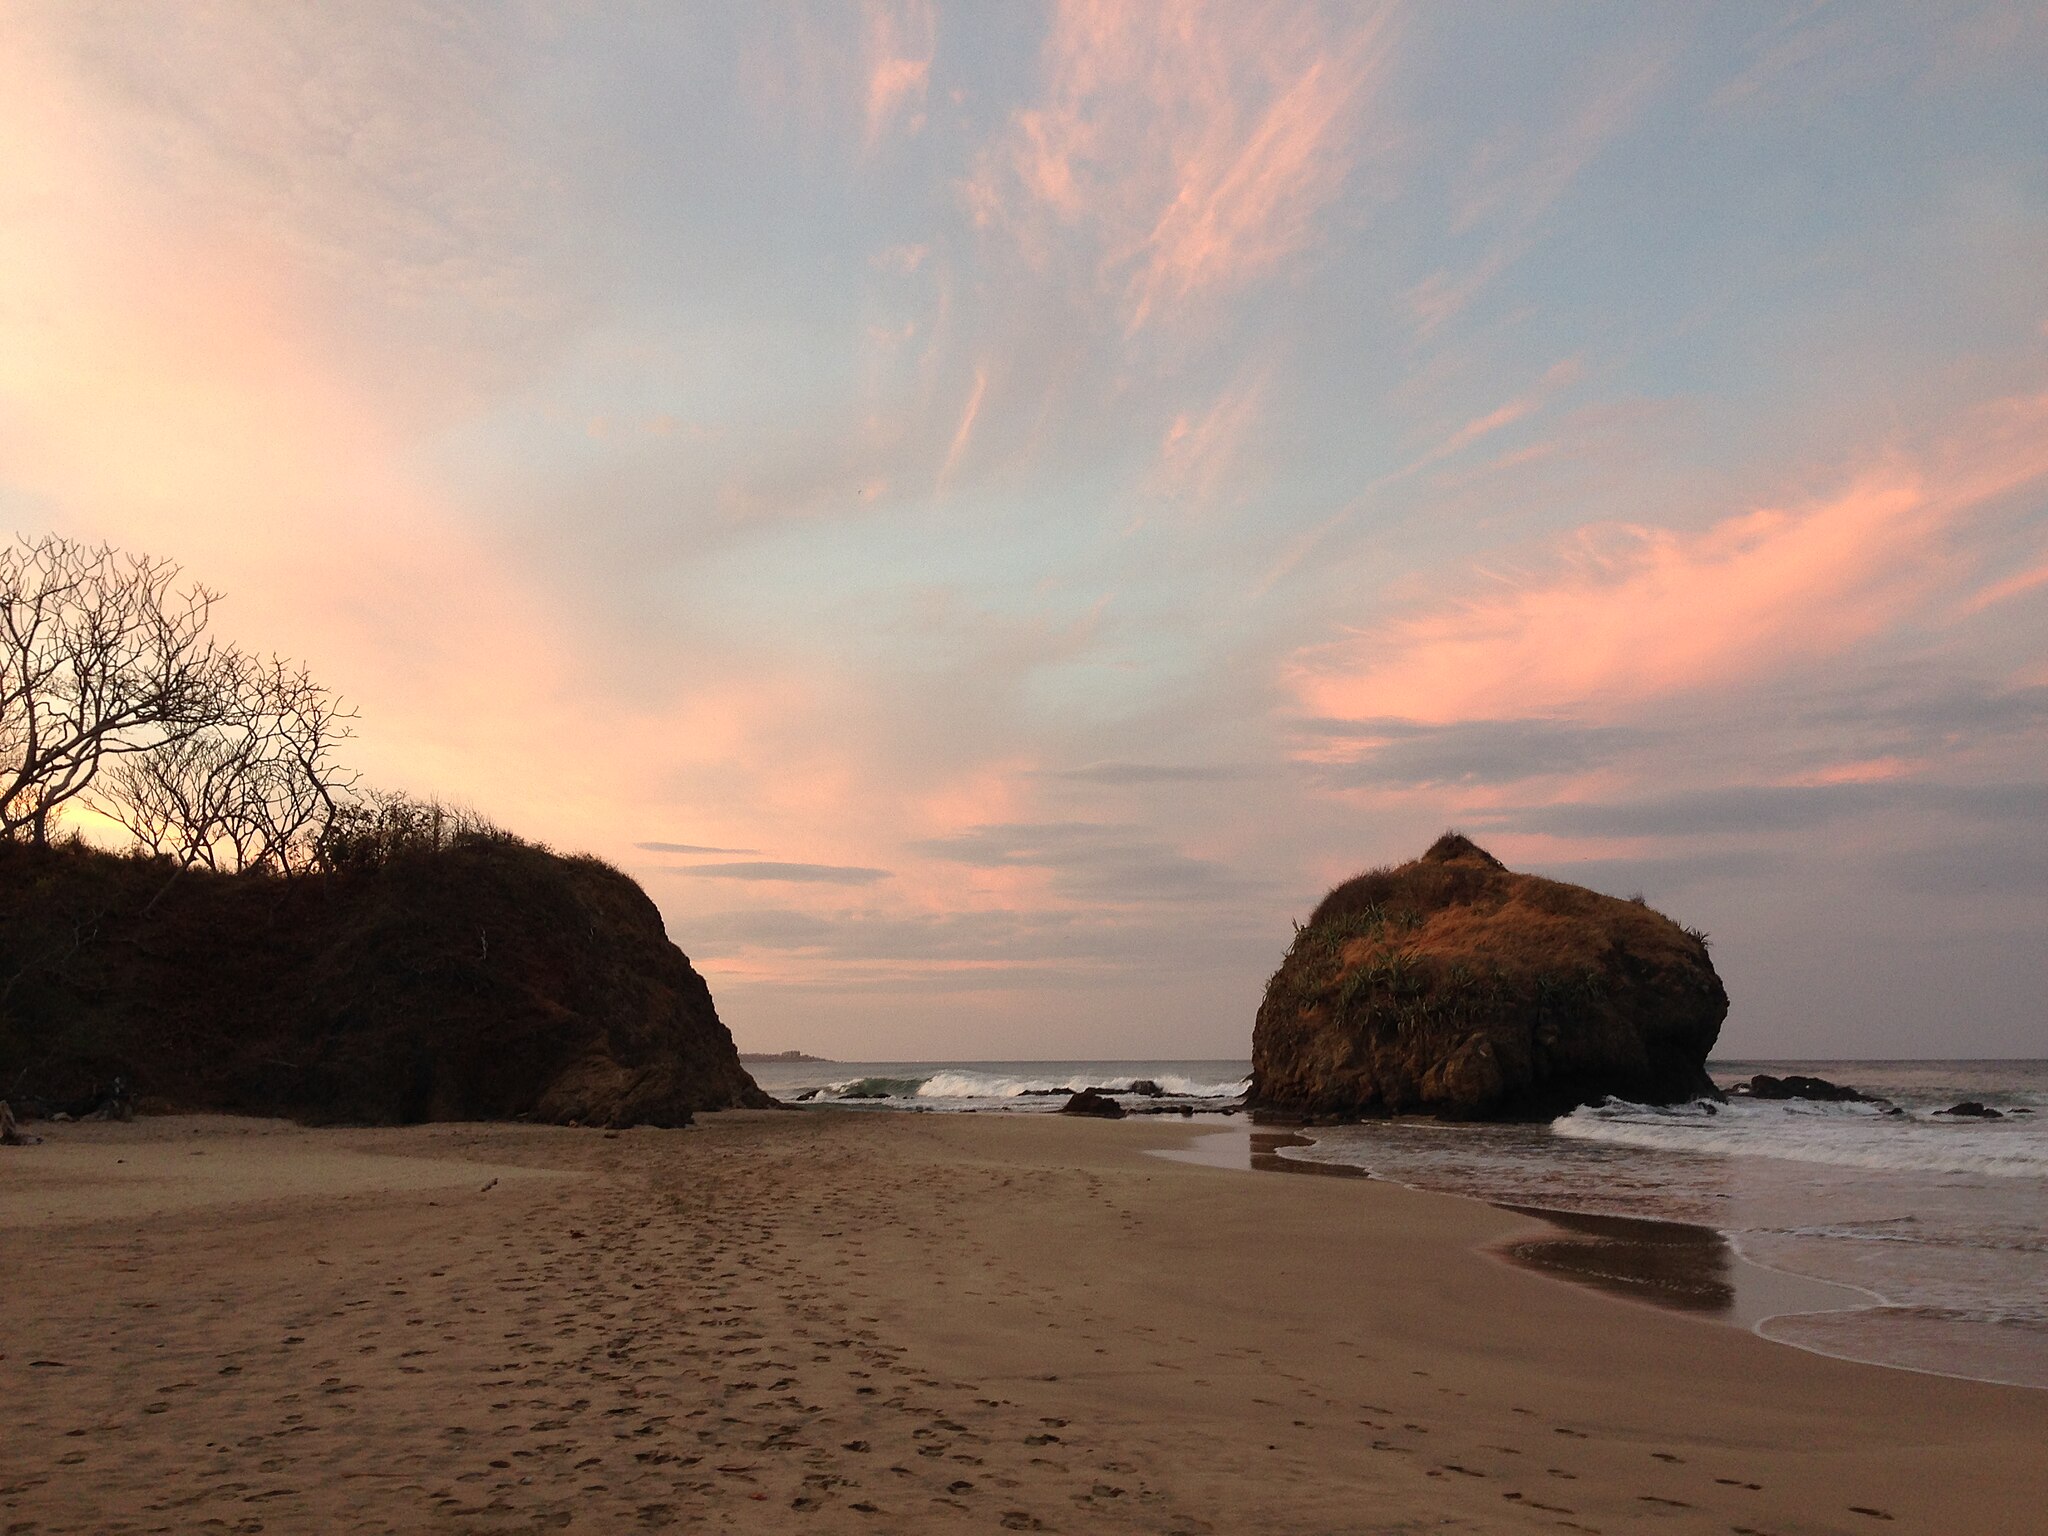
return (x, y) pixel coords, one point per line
(967, 1088)
(981, 1085)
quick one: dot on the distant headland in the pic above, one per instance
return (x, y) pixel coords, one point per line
(782, 1056)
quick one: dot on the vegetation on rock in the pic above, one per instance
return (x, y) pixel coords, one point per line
(457, 974)
(1451, 985)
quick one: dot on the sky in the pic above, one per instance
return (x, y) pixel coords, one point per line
(988, 511)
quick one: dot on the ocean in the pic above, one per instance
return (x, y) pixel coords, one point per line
(1014, 1086)
(1912, 1239)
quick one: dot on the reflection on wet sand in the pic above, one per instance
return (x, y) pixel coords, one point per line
(1672, 1264)
(1265, 1156)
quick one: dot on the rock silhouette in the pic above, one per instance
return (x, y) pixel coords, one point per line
(489, 979)
(1815, 1089)
(1453, 986)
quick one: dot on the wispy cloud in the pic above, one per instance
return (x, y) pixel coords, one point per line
(1192, 147)
(800, 874)
(1199, 449)
(1775, 808)
(899, 38)
(964, 433)
(689, 848)
(1122, 774)
(1088, 861)
(1559, 377)
(1409, 753)
(1514, 182)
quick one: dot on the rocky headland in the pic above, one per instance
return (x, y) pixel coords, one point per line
(485, 979)
(1454, 986)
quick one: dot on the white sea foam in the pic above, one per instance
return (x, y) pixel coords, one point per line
(1945, 1218)
(984, 1085)
(1841, 1135)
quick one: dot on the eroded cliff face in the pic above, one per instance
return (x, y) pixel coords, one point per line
(1454, 986)
(482, 981)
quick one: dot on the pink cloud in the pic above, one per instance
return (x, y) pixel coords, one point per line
(1621, 613)
(1199, 449)
(1557, 377)
(1192, 147)
(964, 433)
(2010, 587)
(901, 259)
(898, 42)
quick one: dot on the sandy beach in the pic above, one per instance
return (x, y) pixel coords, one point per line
(831, 1321)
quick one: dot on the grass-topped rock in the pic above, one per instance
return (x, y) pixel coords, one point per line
(1453, 986)
(463, 976)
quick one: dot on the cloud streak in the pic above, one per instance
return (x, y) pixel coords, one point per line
(1626, 613)
(1408, 753)
(1191, 148)
(796, 874)
(689, 848)
(1754, 809)
(1088, 861)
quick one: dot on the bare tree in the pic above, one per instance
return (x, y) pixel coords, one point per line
(255, 787)
(101, 655)
(298, 787)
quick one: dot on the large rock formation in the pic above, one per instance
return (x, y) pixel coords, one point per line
(1452, 986)
(485, 980)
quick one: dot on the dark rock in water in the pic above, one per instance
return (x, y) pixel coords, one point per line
(484, 979)
(1817, 1089)
(1970, 1109)
(1089, 1102)
(1456, 987)
(1145, 1088)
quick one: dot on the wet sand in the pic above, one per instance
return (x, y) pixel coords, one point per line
(832, 1321)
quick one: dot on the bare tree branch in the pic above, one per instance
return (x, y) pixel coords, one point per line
(101, 656)
(253, 788)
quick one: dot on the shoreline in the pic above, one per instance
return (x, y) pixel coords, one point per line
(826, 1322)
(1634, 1244)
